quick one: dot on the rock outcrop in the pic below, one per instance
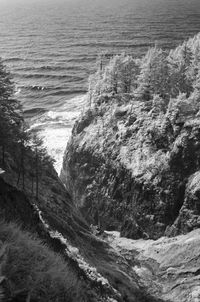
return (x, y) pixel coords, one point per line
(133, 165)
(169, 267)
(56, 220)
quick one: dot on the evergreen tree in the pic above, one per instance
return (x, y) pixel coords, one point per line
(194, 46)
(127, 74)
(24, 150)
(10, 113)
(95, 85)
(24, 138)
(196, 83)
(39, 162)
(119, 75)
(153, 77)
(179, 65)
(111, 75)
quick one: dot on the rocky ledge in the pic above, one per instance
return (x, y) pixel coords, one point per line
(169, 267)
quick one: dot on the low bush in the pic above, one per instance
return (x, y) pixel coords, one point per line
(29, 265)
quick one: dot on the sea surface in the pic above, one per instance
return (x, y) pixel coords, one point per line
(51, 48)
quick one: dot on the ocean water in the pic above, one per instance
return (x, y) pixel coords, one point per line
(51, 48)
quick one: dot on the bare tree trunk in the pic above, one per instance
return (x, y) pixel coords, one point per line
(32, 184)
(19, 175)
(115, 87)
(3, 155)
(28, 299)
(37, 176)
(23, 172)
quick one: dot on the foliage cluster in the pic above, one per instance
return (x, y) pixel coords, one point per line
(158, 72)
(163, 90)
(21, 150)
(29, 266)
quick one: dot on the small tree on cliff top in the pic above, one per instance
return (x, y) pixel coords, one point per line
(10, 112)
(153, 77)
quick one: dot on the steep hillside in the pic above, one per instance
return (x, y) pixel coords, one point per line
(132, 163)
(169, 267)
(53, 218)
(59, 259)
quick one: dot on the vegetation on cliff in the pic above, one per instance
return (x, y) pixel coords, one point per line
(133, 159)
(132, 165)
(30, 191)
(22, 152)
(69, 264)
(159, 72)
(29, 268)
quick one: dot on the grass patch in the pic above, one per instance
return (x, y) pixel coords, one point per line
(28, 264)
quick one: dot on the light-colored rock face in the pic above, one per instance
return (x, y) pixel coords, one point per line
(132, 166)
(132, 154)
(168, 267)
(129, 164)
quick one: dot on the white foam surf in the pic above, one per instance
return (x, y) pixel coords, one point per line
(55, 127)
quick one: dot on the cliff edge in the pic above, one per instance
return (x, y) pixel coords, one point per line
(133, 160)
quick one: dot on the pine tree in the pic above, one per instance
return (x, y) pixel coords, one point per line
(127, 74)
(23, 143)
(111, 75)
(179, 65)
(196, 83)
(194, 46)
(119, 75)
(153, 77)
(40, 161)
(10, 113)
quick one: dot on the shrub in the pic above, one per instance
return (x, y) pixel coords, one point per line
(30, 265)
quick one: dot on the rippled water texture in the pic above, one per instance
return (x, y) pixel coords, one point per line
(51, 46)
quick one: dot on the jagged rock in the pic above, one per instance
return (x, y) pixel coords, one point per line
(59, 224)
(131, 229)
(169, 267)
(136, 164)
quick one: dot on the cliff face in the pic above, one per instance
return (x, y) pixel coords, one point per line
(133, 165)
(19, 203)
(169, 267)
(57, 221)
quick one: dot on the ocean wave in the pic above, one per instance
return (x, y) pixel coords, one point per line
(55, 140)
(82, 59)
(68, 77)
(108, 44)
(65, 115)
(17, 90)
(55, 126)
(63, 92)
(50, 91)
(15, 59)
(36, 87)
(41, 68)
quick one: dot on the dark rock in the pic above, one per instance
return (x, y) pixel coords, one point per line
(85, 121)
(130, 229)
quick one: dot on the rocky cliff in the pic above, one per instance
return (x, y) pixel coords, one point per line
(169, 267)
(133, 165)
(133, 161)
(53, 217)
